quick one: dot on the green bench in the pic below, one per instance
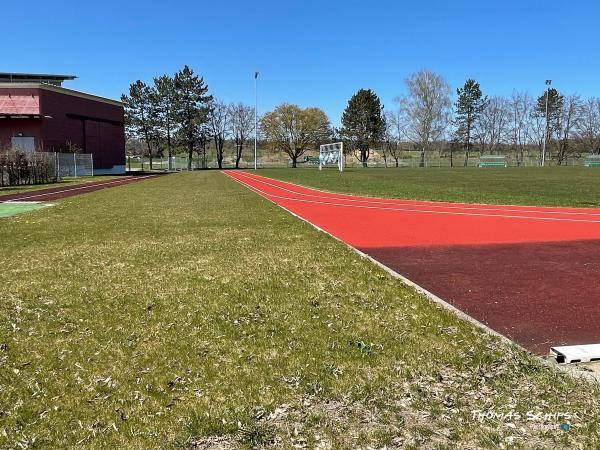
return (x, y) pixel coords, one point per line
(493, 161)
(592, 161)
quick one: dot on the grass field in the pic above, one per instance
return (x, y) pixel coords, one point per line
(550, 186)
(187, 312)
(66, 181)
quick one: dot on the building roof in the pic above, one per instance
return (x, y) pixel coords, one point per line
(8, 89)
(54, 79)
(19, 105)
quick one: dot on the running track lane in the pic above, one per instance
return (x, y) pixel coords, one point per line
(56, 193)
(530, 273)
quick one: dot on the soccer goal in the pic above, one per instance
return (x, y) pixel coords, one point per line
(332, 154)
(493, 161)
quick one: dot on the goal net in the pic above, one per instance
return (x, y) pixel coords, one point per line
(332, 154)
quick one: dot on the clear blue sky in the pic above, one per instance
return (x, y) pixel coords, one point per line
(314, 53)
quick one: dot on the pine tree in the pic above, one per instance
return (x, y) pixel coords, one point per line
(556, 102)
(363, 123)
(469, 106)
(141, 115)
(191, 105)
(164, 94)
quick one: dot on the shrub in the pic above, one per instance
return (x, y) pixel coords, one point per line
(19, 168)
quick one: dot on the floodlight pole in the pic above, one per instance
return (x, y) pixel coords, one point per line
(548, 83)
(255, 118)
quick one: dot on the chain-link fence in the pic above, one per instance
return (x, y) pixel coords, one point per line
(74, 164)
(177, 163)
(435, 159)
(29, 167)
(407, 159)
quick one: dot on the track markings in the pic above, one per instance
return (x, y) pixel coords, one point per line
(87, 186)
(430, 204)
(461, 211)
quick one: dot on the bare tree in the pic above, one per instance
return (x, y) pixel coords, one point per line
(493, 124)
(387, 141)
(588, 127)
(520, 105)
(393, 122)
(241, 123)
(425, 109)
(218, 122)
(567, 122)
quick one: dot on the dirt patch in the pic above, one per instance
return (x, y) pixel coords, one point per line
(214, 443)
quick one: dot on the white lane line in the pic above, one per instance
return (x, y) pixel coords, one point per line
(411, 210)
(76, 188)
(415, 203)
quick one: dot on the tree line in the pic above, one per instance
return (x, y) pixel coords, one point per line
(178, 110)
(426, 117)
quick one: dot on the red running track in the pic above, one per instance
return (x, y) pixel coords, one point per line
(56, 193)
(530, 273)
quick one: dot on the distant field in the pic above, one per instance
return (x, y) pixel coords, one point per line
(549, 186)
(66, 181)
(187, 312)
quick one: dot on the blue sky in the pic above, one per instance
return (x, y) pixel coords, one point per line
(308, 52)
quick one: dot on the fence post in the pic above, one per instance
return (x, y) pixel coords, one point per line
(75, 164)
(92, 160)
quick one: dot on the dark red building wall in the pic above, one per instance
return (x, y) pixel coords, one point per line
(71, 118)
(16, 127)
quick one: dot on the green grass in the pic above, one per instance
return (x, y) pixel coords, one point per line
(66, 181)
(188, 311)
(549, 186)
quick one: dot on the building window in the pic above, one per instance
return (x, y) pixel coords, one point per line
(23, 143)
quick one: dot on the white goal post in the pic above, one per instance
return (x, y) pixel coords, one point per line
(332, 154)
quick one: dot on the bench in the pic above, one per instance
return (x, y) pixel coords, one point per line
(493, 161)
(592, 161)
